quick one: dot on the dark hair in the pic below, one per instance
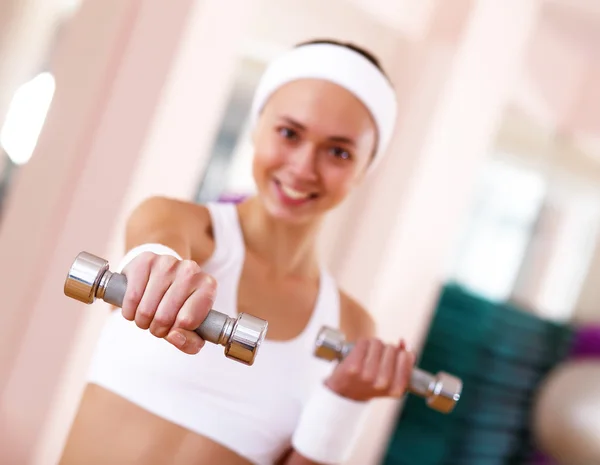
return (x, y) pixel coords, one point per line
(365, 53)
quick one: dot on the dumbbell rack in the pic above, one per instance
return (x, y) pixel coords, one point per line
(501, 353)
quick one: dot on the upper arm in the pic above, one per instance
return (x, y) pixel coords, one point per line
(356, 322)
(180, 225)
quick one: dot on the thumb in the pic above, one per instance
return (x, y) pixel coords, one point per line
(185, 340)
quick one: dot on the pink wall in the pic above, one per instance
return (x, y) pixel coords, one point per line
(27, 29)
(62, 203)
(564, 66)
(584, 115)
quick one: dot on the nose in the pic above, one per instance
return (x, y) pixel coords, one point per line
(303, 162)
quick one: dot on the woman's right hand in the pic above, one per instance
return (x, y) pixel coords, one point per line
(169, 297)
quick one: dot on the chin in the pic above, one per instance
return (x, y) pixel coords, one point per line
(288, 215)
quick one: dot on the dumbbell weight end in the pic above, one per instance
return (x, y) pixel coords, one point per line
(89, 278)
(441, 391)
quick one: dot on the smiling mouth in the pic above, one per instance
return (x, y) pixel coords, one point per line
(294, 194)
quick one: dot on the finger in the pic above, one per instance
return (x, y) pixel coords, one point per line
(387, 365)
(186, 341)
(199, 303)
(353, 363)
(412, 359)
(185, 283)
(372, 361)
(169, 306)
(402, 373)
(137, 273)
(160, 280)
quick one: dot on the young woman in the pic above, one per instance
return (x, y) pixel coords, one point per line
(323, 114)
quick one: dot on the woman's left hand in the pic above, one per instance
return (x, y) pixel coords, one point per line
(373, 369)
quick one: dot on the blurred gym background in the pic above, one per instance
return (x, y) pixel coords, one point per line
(478, 240)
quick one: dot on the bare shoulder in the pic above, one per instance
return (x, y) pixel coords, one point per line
(162, 206)
(356, 321)
(174, 222)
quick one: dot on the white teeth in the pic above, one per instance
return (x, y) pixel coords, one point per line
(293, 193)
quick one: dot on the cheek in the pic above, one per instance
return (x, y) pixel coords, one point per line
(267, 155)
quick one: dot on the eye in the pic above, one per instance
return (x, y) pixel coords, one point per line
(340, 153)
(287, 133)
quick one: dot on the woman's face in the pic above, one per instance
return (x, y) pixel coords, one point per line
(312, 144)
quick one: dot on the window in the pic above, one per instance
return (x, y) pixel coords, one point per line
(498, 230)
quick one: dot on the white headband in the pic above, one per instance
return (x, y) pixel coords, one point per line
(343, 67)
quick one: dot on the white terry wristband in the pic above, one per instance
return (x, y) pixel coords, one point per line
(158, 249)
(329, 426)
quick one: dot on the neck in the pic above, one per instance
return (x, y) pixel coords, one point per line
(286, 249)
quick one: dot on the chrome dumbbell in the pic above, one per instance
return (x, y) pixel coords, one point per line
(89, 279)
(441, 391)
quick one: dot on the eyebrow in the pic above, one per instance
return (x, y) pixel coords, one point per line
(297, 125)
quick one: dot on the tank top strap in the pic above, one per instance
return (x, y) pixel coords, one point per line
(228, 237)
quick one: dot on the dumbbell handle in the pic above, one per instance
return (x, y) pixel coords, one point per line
(441, 391)
(89, 279)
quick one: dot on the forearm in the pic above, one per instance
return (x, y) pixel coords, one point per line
(327, 429)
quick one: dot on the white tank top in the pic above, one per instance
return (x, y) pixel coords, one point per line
(250, 410)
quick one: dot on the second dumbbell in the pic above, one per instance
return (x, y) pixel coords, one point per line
(441, 391)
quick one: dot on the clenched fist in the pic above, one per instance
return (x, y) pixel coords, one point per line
(168, 297)
(373, 369)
